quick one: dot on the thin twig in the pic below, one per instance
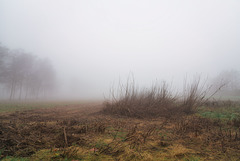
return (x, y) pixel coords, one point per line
(65, 137)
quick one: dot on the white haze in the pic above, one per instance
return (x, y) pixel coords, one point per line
(93, 44)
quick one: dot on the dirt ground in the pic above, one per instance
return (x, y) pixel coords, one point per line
(25, 133)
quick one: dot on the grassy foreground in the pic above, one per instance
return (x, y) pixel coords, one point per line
(80, 132)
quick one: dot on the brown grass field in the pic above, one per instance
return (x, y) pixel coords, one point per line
(83, 132)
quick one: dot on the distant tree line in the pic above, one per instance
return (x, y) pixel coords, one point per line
(231, 79)
(24, 76)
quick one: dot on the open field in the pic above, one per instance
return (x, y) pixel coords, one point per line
(127, 80)
(82, 132)
(8, 107)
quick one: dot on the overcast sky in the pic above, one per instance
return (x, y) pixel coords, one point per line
(93, 43)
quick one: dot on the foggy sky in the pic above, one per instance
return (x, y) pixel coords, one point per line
(93, 44)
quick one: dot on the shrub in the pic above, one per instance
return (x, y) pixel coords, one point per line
(134, 102)
(157, 101)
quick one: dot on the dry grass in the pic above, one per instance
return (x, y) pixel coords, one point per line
(157, 101)
(39, 135)
(134, 102)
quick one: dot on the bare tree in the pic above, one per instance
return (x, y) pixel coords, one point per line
(19, 66)
(3, 59)
(42, 78)
(25, 74)
(231, 79)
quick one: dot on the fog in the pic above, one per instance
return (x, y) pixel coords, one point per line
(94, 44)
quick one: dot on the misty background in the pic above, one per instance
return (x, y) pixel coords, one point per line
(93, 44)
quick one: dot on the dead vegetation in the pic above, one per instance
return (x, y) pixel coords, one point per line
(24, 133)
(158, 101)
(80, 133)
(133, 102)
(209, 133)
(152, 124)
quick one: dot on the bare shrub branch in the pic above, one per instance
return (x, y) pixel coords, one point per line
(158, 100)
